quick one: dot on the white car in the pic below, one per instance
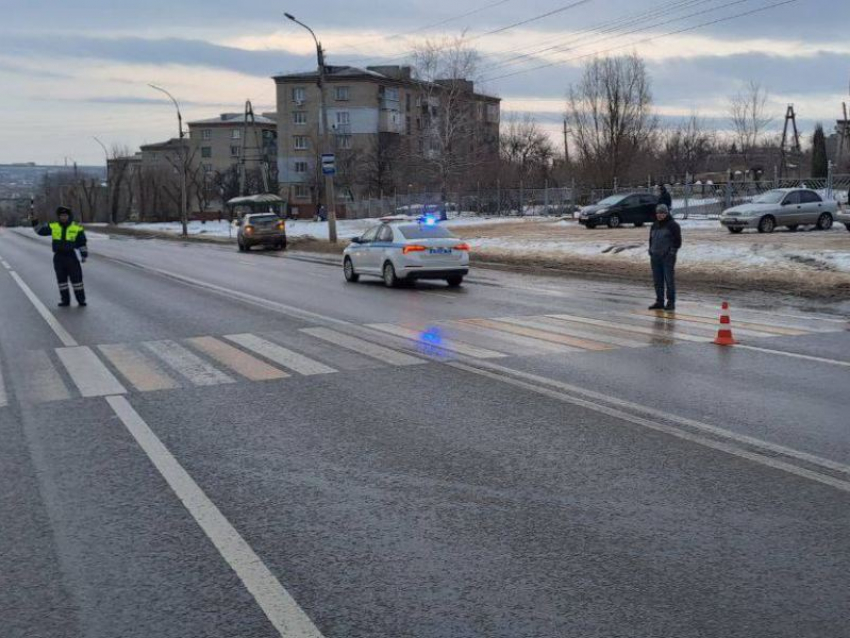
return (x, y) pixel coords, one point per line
(402, 249)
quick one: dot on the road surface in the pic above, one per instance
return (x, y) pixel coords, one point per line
(244, 445)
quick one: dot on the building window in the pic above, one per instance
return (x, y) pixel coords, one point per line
(407, 125)
(206, 151)
(236, 134)
(492, 112)
(299, 117)
(407, 102)
(299, 95)
(302, 192)
(234, 151)
(342, 93)
(343, 141)
(206, 134)
(301, 143)
(300, 167)
(208, 168)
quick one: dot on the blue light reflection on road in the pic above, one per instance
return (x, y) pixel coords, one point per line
(431, 342)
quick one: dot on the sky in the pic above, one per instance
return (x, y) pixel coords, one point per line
(72, 71)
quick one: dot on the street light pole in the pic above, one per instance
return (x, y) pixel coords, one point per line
(108, 181)
(184, 214)
(328, 148)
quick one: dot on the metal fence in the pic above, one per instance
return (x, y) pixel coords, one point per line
(700, 200)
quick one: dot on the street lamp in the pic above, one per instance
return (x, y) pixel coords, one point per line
(112, 219)
(329, 180)
(184, 215)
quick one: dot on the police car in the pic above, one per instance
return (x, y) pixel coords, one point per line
(403, 249)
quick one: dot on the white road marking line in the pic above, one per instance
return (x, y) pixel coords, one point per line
(188, 364)
(560, 327)
(5, 264)
(721, 446)
(4, 398)
(795, 355)
(668, 334)
(453, 346)
(544, 335)
(277, 603)
(280, 355)
(64, 336)
(141, 371)
(238, 361)
(361, 346)
(88, 373)
(42, 383)
(505, 340)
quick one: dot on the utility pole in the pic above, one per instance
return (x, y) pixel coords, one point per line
(108, 182)
(184, 205)
(330, 204)
(566, 145)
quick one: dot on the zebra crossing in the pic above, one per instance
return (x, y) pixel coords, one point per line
(46, 376)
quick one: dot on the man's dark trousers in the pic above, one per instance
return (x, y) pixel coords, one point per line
(664, 275)
(67, 266)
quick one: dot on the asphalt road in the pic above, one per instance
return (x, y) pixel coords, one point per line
(244, 445)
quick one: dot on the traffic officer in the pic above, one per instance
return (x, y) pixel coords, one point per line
(68, 237)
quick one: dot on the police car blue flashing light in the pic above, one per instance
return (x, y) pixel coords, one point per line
(428, 220)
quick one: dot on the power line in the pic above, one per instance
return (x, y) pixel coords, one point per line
(598, 29)
(649, 39)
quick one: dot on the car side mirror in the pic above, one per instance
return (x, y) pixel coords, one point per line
(356, 240)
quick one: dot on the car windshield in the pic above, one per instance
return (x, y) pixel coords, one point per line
(770, 197)
(610, 201)
(422, 231)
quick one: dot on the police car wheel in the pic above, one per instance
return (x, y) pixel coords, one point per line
(391, 280)
(348, 271)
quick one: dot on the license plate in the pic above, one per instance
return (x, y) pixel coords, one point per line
(440, 251)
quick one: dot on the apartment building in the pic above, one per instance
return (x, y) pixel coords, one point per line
(219, 142)
(380, 105)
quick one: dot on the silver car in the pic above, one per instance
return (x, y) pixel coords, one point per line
(261, 229)
(789, 207)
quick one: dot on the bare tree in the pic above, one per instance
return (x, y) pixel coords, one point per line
(610, 111)
(750, 119)
(526, 151)
(446, 70)
(687, 147)
(378, 167)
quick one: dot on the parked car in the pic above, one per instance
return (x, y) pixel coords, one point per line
(843, 216)
(261, 229)
(402, 249)
(627, 208)
(789, 207)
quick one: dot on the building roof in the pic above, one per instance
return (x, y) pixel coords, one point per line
(231, 119)
(388, 73)
(173, 143)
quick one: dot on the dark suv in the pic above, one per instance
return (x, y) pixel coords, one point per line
(625, 208)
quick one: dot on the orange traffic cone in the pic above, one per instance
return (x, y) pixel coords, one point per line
(724, 333)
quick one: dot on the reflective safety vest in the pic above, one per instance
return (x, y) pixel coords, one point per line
(71, 231)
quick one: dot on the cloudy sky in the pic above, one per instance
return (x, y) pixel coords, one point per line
(73, 70)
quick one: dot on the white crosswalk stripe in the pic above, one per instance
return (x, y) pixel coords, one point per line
(238, 361)
(387, 355)
(187, 364)
(433, 340)
(141, 371)
(625, 327)
(4, 398)
(39, 380)
(92, 378)
(280, 355)
(550, 325)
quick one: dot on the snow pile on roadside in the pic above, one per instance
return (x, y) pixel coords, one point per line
(712, 254)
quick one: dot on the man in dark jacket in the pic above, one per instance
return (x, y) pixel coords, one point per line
(68, 237)
(665, 240)
(664, 197)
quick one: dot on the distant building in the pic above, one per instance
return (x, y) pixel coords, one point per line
(379, 118)
(219, 141)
